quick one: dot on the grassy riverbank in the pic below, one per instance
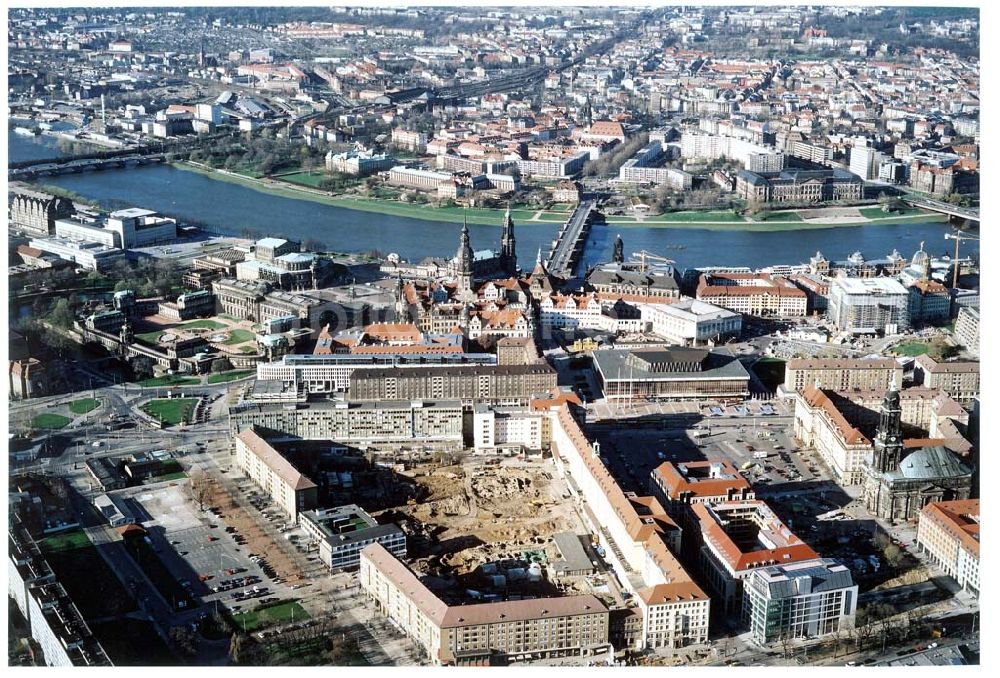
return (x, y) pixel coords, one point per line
(790, 220)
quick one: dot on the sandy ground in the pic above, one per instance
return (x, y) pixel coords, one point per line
(258, 541)
(479, 513)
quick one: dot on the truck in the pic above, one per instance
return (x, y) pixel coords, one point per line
(760, 454)
(701, 434)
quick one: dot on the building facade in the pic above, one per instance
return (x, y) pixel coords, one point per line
(800, 600)
(869, 305)
(272, 473)
(842, 374)
(482, 633)
(690, 322)
(948, 532)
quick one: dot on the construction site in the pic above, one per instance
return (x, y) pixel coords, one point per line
(487, 529)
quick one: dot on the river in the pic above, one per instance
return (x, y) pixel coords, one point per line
(232, 208)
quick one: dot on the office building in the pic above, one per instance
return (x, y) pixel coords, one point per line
(736, 538)
(53, 619)
(634, 282)
(930, 302)
(948, 533)
(497, 429)
(680, 485)
(806, 599)
(484, 633)
(289, 489)
(690, 322)
(331, 373)
(417, 178)
(343, 532)
(675, 373)
(869, 305)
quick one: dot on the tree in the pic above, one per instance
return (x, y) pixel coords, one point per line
(893, 554)
(185, 639)
(236, 648)
(62, 314)
(142, 367)
(201, 487)
(221, 365)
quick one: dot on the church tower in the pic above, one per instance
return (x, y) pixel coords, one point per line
(508, 246)
(463, 259)
(889, 434)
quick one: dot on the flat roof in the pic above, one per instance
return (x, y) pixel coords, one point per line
(131, 213)
(614, 365)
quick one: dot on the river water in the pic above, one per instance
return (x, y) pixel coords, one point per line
(232, 208)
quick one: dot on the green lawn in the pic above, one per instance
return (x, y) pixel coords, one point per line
(238, 337)
(50, 421)
(171, 380)
(84, 405)
(877, 213)
(700, 216)
(176, 475)
(276, 614)
(311, 179)
(151, 338)
(67, 541)
(207, 324)
(226, 316)
(912, 348)
(228, 376)
(170, 411)
(777, 216)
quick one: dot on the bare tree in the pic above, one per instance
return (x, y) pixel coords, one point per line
(200, 487)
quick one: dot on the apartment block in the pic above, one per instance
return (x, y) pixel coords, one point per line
(363, 423)
(948, 532)
(485, 633)
(842, 374)
(959, 379)
(272, 473)
(639, 539)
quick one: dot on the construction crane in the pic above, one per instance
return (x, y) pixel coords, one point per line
(644, 254)
(958, 237)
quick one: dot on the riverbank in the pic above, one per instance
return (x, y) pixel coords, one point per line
(792, 220)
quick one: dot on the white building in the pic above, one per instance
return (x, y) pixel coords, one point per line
(506, 430)
(869, 305)
(801, 600)
(570, 312)
(690, 322)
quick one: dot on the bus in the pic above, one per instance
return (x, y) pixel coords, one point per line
(760, 454)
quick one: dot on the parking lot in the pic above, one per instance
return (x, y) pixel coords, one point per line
(762, 447)
(203, 553)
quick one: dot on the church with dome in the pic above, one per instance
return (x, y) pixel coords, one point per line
(904, 475)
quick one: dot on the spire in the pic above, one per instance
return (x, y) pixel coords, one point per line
(508, 245)
(892, 383)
